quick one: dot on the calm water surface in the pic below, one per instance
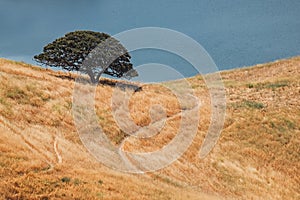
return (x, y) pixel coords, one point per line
(235, 33)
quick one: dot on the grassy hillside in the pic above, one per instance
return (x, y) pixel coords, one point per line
(257, 156)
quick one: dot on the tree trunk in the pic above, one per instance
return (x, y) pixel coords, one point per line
(92, 77)
(98, 76)
(95, 80)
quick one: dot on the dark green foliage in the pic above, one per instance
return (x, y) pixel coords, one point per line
(250, 85)
(253, 104)
(273, 85)
(248, 104)
(277, 85)
(89, 52)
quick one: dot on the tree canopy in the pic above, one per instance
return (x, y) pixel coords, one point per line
(89, 52)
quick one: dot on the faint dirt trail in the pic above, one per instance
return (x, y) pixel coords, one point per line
(122, 153)
(35, 150)
(55, 146)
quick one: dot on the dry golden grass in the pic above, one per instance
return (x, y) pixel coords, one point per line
(257, 156)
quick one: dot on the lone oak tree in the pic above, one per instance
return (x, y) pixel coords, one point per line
(89, 52)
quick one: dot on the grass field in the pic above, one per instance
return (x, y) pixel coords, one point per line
(256, 157)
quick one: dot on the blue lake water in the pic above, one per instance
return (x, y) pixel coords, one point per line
(235, 33)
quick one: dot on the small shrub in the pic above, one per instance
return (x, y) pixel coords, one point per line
(3, 102)
(250, 85)
(268, 85)
(248, 104)
(195, 86)
(276, 85)
(77, 181)
(45, 97)
(253, 104)
(289, 124)
(65, 179)
(100, 195)
(29, 94)
(100, 182)
(69, 105)
(119, 137)
(15, 93)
